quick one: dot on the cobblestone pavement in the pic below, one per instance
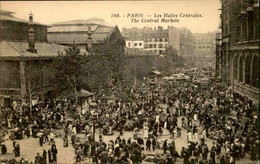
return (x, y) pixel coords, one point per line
(30, 147)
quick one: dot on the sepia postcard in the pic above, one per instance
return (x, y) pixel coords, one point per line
(129, 82)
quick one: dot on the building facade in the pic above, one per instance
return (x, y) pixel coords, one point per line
(204, 44)
(88, 34)
(157, 40)
(134, 44)
(218, 45)
(24, 58)
(240, 46)
(153, 40)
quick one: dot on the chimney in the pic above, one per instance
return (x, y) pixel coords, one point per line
(89, 48)
(31, 35)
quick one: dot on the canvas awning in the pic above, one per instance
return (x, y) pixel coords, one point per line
(84, 93)
(156, 72)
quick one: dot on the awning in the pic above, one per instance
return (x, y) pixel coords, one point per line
(156, 72)
(84, 93)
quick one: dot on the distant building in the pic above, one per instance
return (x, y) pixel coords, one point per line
(174, 38)
(147, 39)
(218, 45)
(187, 46)
(240, 46)
(204, 44)
(23, 48)
(87, 34)
(157, 40)
(134, 44)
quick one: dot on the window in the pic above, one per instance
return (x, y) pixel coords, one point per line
(135, 44)
(129, 44)
(156, 40)
(151, 46)
(241, 66)
(155, 46)
(247, 69)
(160, 40)
(160, 45)
(166, 40)
(140, 44)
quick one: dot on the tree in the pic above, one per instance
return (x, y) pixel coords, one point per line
(172, 54)
(110, 57)
(68, 71)
(33, 81)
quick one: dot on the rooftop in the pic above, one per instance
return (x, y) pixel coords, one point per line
(14, 50)
(76, 32)
(93, 21)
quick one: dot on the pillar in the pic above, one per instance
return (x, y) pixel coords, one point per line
(22, 79)
(238, 67)
(231, 67)
(251, 70)
(41, 80)
(243, 69)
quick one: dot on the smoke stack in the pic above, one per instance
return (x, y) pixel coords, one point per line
(31, 35)
(89, 39)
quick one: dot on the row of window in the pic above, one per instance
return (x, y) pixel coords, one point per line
(155, 46)
(135, 44)
(148, 45)
(156, 40)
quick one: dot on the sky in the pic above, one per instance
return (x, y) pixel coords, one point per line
(49, 12)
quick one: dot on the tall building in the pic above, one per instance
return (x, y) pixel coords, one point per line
(218, 45)
(156, 40)
(187, 46)
(24, 54)
(204, 44)
(174, 38)
(147, 39)
(240, 46)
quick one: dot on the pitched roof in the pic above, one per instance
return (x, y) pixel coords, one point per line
(94, 21)
(4, 12)
(75, 31)
(14, 50)
(78, 34)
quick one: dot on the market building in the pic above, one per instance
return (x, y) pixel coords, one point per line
(88, 34)
(24, 58)
(240, 46)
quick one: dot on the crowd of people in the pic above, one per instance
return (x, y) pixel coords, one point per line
(230, 120)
